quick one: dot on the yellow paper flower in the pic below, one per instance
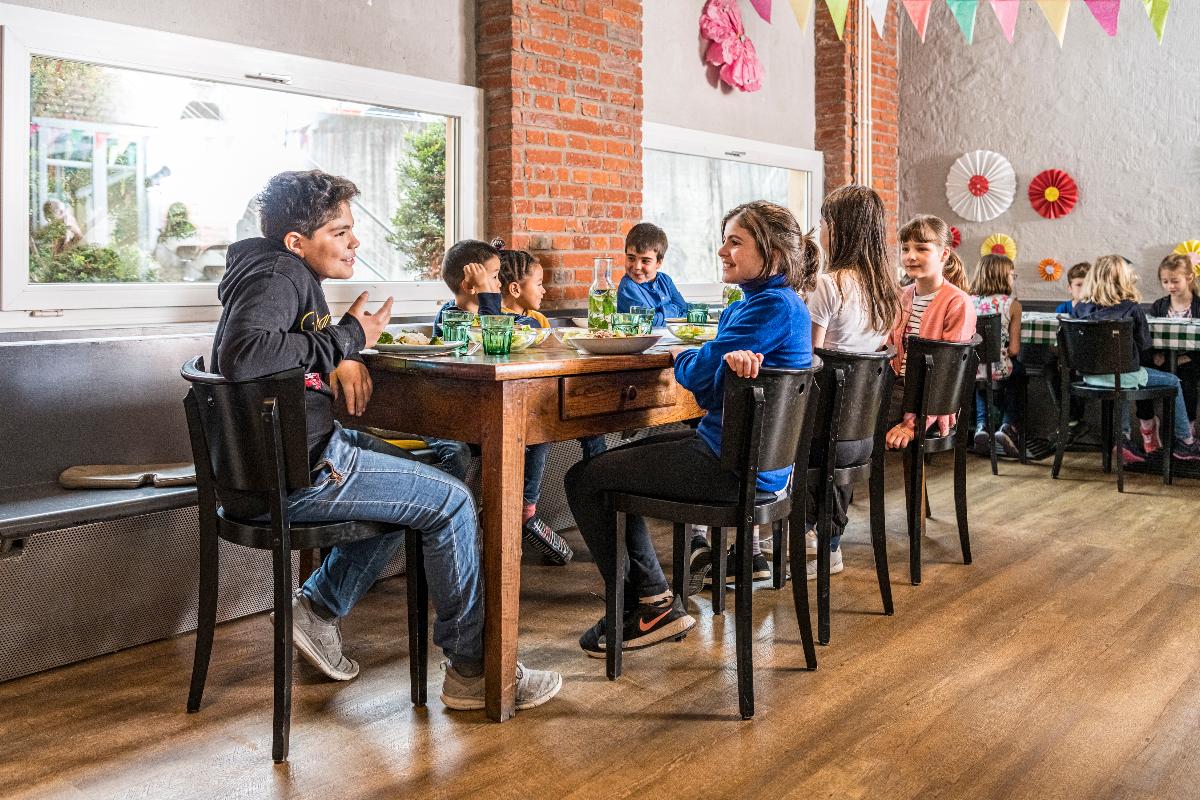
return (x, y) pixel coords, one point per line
(1049, 269)
(1190, 246)
(999, 244)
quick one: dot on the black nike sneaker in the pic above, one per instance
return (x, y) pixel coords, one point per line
(646, 625)
(553, 547)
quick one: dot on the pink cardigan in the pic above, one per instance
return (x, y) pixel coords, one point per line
(949, 317)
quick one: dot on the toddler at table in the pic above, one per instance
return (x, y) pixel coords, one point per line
(1110, 293)
(992, 293)
(644, 283)
(767, 254)
(521, 293)
(471, 270)
(1182, 302)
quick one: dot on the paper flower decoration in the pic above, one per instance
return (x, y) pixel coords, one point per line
(1190, 246)
(981, 185)
(729, 49)
(999, 244)
(1053, 193)
(955, 237)
(1049, 270)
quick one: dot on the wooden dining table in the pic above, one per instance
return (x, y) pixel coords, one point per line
(503, 403)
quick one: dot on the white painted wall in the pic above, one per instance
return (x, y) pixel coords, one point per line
(680, 89)
(1121, 115)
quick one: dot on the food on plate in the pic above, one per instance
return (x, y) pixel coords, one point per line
(606, 335)
(386, 338)
(406, 337)
(695, 332)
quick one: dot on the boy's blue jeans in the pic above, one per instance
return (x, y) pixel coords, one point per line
(360, 477)
(1155, 378)
(1005, 397)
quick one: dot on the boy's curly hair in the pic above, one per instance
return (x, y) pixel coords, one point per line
(301, 202)
(515, 265)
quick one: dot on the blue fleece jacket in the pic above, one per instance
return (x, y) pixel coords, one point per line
(772, 320)
(659, 294)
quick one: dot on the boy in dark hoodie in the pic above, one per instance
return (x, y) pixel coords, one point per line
(275, 318)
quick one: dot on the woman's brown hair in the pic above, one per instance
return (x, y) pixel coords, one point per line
(861, 249)
(784, 247)
(928, 228)
(993, 275)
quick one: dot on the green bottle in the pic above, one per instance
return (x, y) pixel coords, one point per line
(602, 296)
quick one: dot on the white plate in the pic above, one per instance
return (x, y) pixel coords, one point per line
(420, 349)
(613, 347)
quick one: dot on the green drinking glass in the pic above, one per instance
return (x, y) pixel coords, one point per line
(629, 324)
(497, 333)
(697, 313)
(647, 318)
(455, 325)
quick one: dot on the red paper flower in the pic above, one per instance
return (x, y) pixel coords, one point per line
(955, 237)
(1053, 193)
(729, 48)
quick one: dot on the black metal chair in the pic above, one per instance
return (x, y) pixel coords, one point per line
(1105, 347)
(248, 438)
(852, 405)
(940, 379)
(989, 355)
(767, 425)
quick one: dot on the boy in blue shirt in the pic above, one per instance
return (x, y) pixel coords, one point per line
(644, 284)
(1075, 278)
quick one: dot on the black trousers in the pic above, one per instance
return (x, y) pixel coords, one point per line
(846, 454)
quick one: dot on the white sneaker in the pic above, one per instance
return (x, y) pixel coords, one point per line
(320, 642)
(835, 564)
(810, 543)
(534, 687)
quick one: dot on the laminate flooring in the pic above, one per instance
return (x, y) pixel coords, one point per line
(1063, 663)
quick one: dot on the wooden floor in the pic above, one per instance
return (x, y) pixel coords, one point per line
(1062, 664)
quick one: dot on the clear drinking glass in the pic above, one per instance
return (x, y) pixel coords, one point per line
(455, 325)
(647, 315)
(697, 313)
(497, 332)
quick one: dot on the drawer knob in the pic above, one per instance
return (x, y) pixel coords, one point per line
(629, 393)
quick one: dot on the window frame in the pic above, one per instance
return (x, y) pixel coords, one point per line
(692, 142)
(27, 32)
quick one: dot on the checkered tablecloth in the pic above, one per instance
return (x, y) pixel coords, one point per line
(1168, 334)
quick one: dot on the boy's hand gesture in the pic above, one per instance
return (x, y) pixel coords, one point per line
(372, 324)
(744, 363)
(477, 280)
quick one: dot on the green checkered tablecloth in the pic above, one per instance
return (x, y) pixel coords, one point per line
(1168, 334)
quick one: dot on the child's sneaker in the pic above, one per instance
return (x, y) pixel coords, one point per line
(534, 687)
(760, 570)
(1006, 441)
(1130, 451)
(318, 640)
(553, 547)
(700, 564)
(982, 443)
(835, 564)
(646, 625)
(810, 543)
(1187, 451)
(1150, 440)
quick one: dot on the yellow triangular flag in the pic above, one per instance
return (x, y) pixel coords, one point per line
(1056, 12)
(837, 10)
(803, 10)
(1157, 11)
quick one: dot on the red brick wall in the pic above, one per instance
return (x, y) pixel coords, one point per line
(562, 83)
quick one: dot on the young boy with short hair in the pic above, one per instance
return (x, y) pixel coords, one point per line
(1076, 275)
(471, 269)
(644, 283)
(275, 318)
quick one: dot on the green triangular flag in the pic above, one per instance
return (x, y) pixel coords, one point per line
(964, 14)
(837, 10)
(1157, 11)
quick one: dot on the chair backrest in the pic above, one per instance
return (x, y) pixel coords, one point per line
(784, 419)
(853, 391)
(991, 332)
(226, 418)
(1097, 347)
(949, 375)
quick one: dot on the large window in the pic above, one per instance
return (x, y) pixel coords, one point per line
(139, 164)
(691, 178)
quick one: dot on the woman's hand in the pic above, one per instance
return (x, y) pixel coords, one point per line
(900, 435)
(744, 363)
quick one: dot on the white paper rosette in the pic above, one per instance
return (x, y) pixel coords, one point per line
(981, 185)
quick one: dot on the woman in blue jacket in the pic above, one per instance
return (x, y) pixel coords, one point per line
(769, 256)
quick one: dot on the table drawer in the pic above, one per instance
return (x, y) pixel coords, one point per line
(612, 392)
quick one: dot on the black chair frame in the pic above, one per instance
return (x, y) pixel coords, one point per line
(989, 329)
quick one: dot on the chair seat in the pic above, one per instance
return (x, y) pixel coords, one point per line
(1081, 389)
(940, 444)
(304, 536)
(768, 507)
(842, 476)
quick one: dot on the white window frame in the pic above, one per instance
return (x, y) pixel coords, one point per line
(687, 141)
(26, 32)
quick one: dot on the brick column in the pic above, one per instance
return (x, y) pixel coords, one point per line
(562, 83)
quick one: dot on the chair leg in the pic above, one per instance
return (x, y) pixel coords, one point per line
(282, 717)
(1107, 440)
(925, 500)
(718, 570)
(206, 616)
(1119, 448)
(418, 617)
(1060, 444)
(798, 559)
(1022, 456)
(615, 603)
(879, 534)
(779, 537)
(743, 619)
(1169, 439)
(960, 500)
(989, 402)
(681, 559)
(916, 512)
(824, 534)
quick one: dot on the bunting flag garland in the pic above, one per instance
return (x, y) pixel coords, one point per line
(1157, 11)
(1006, 12)
(918, 14)
(803, 10)
(1053, 193)
(1105, 12)
(999, 244)
(1056, 12)
(981, 185)
(964, 15)
(1049, 270)
(878, 9)
(837, 10)
(763, 7)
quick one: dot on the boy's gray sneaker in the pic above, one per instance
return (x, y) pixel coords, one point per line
(320, 642)
(534, 687)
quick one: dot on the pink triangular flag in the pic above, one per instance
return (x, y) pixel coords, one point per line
(1105, 12)
(918, 13)
(763, 7)
(1007, 11)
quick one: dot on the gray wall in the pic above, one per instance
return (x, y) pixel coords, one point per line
(1119, 114)
(679, 88)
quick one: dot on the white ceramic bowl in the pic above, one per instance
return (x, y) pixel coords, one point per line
(622, 345)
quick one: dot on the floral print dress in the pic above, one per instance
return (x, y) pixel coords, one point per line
(998, 304)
